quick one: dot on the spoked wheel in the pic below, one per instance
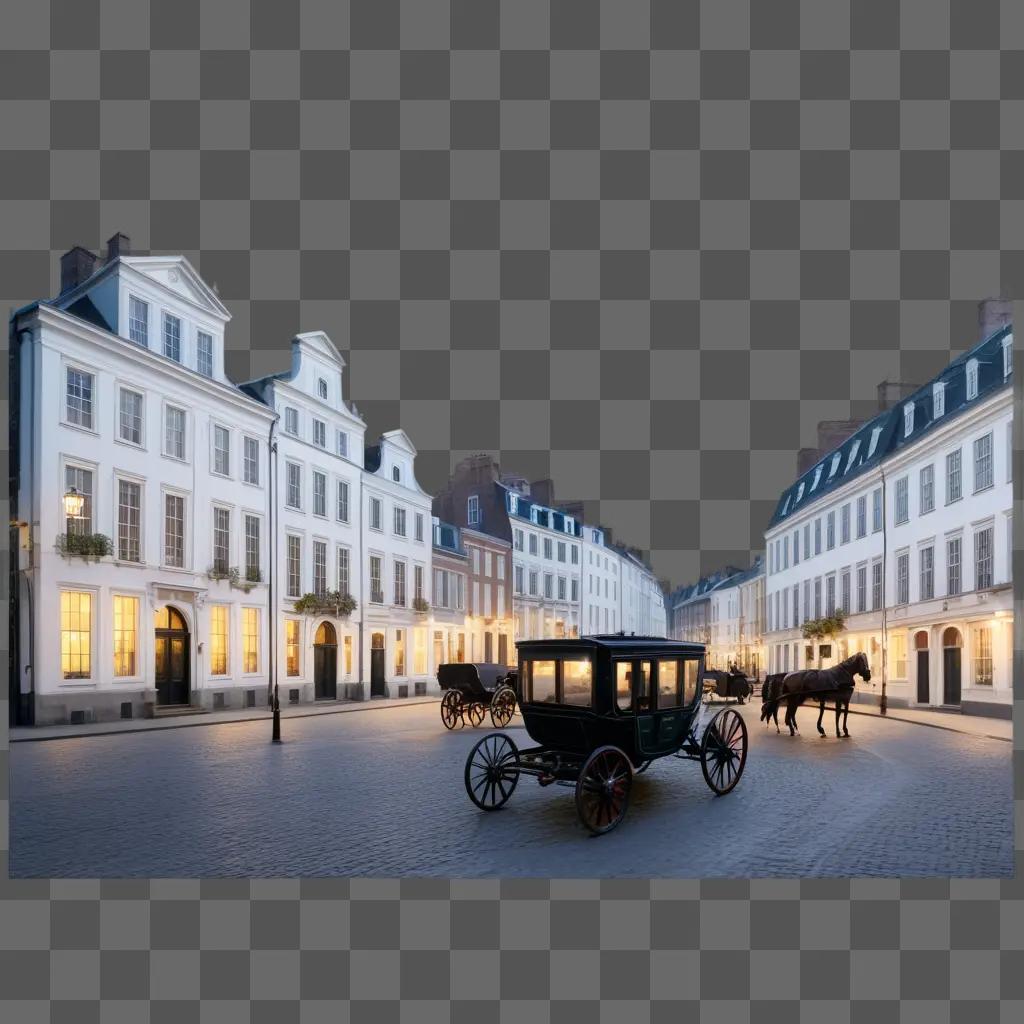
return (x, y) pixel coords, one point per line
(602, 790)
(475, 713)
(492, 771)
(503, 706)
(451, 711)
(723, 751)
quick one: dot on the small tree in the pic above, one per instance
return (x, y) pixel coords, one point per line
(829, 626)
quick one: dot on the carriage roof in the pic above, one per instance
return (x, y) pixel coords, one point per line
(616, 643)
(471, 677)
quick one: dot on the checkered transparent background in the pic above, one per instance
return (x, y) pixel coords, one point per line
(642, 246)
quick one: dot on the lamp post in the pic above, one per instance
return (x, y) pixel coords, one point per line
(74, 503)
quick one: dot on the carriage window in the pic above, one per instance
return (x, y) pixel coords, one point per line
(644, 695)
(624, 685)
(542, 681)
(576, 683)
(668, 683)
(690, 669)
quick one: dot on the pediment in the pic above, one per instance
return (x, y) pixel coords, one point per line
(178, 276)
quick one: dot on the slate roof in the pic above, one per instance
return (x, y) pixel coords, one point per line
(883, 436)
(552, 518)
(371, 458)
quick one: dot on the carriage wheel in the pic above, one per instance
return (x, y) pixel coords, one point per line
(723, 751)
(602, 790)
(503, 706)
(475, 713)
(492, 771)
(451, 712)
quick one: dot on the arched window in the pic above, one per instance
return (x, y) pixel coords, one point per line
(951, 638)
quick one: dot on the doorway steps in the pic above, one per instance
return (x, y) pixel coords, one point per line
(178, 711)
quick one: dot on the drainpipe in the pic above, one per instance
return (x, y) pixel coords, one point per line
(24, 707)
(273, 687)
(883, 702)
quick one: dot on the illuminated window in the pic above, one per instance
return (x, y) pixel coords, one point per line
(81, 480)
(419, 662)
(983, 656)
(75, 634)
(346, 647)
(400, 652)
(542, 681)
(218, 640)
(576, 682)
(250, 639)
(668, 684)
(126, 616)
(291, 646)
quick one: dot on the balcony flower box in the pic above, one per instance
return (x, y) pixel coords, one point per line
(330, 602)
(420, 605)
(89, 546)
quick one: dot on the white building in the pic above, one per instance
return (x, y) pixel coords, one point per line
(907, 527)
(602, 585)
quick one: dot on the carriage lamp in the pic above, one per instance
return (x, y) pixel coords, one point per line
(74, 503)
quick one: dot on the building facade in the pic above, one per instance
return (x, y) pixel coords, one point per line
(450, 590)
(907, 527)
(489, 622)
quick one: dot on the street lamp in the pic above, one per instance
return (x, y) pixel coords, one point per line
(74, 503)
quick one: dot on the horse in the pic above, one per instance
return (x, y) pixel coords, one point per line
(835, 683)
(770, 691)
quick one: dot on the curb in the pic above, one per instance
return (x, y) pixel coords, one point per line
(190, 722)
(932, 725)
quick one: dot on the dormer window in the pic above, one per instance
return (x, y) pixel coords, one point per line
(172, 337)
(800, 492)
(204, 353)
(138, 321)
(473, 510)
(875, 434)
(291, 421)
(396, 474)
(321, 386)
(908, 419)
(972, 379)
(1007, 356)
(854, 448)
(817, 477)
(785, 505)
(938, 400)
(836, 459)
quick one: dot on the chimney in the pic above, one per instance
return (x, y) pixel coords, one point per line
(543, 491)
(993, 315)
(76, 265)
(805, 458)
(892, 392)
(118, 245)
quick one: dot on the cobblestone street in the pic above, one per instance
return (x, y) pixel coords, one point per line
(382, 794)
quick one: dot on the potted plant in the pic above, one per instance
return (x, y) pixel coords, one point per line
(90, 546)
(330, 602)
(420, 604)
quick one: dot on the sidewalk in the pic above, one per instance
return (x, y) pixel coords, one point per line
(971, 725)
(29, 734)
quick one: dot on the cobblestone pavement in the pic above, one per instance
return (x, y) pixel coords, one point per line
(382, 795)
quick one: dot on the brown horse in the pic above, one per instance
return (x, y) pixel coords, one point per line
(834, 684)
(770, 690)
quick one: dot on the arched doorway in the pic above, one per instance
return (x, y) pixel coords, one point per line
(172, 656)
(952, 647)
(325, 663)
(924, 691)
(377, 685)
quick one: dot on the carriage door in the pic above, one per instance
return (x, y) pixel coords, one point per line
(172, 657)
(377, 685)
(924, 695)
(672, 717)
(646, 719)
(325, 663)
(951, 648)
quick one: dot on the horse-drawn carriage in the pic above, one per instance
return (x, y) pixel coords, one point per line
(834, 684)
(730, 685)
(467, 698)
(600, 710)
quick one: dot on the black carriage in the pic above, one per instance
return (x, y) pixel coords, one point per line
(467, 697)
(730, 685)
(600, 710)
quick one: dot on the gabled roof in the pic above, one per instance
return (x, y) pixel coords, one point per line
(85, 309)
(884, 435)
(176, 274)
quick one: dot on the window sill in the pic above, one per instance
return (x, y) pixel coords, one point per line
(137, 446)
(81, 429)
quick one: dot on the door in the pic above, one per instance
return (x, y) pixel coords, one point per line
(672, 716)
(172, 658)
(951, 648)
(488, 648)
(325, 663)
(502, 649)
(378, 688)
(923, 685)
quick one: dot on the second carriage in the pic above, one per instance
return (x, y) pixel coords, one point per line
(468, 698)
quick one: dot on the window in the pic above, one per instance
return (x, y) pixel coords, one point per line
(321, 388)
(561, 550)
(518, 571)
(830, 594)
(376, 586)
(926, 562)
(319, 494)
(938, 400)
(1009, 453)
(344, 570)
(81, 480)
(817, 602)
(817, 536)
(954, 581)
(174, 530)
(549, 581)
(903, 577)
(221, 539)
(796, 605)
(417, 582)
(347, 647)
(548, 549)
(854, 448)
(499, 567)
(172, 337)
(218, 640)
(399, 521)
(1007, 356)
(343, 444)
(204, 353)
(396, 474)
(320, 433)
(291, 421)
(983, 558)
(252, 549)
(576, 682)
(126, 617)
(250, 640)
(533, 582)
(927, 495)
(174, 432)
(982, 656)
(375, 514)
(75, 634)
(836, 459)
(983, 463)
(250, 460)
(79, 394)
(400, 584)
(575, 558)
(517, 539)
(876, 509)
(293, 494)
(130, 416)
(474, 553)
(419, 655)
(908, 419)
(473, 510)
(844, 595)
(138, 321)
(876, 586)
(875, 434)
(561, 588)
(221, 451)
(830, 531)
(319, 567)
(291, 646)
(844, 524)
(129, 521)
(419, 526)
(342, 501)
(533, 543)
(902, 513)
(541, 675)
(899, 655)
(294, 565)
(862, 588)
(972, 378)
